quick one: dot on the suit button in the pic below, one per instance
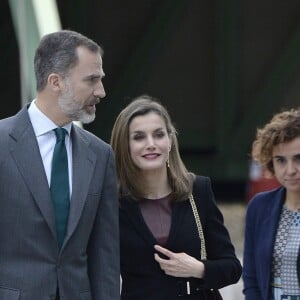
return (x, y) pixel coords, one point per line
(53, 297)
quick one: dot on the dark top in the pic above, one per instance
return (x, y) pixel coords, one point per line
(142, 277)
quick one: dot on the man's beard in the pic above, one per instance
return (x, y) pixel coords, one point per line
(73, 109)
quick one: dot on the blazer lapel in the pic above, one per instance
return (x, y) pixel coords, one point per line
(83, 165)
(25, 152)
(133, 212)
(268, 233)
(179, 210)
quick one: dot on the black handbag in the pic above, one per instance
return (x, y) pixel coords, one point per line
(209, 294)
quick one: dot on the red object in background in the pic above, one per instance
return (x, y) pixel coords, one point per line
(258, 182)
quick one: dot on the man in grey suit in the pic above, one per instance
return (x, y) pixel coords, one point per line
(39, 259)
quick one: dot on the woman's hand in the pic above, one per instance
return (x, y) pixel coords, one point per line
(179, 264)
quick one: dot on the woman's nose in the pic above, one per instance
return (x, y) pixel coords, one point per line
(150, 142)
(291, 167)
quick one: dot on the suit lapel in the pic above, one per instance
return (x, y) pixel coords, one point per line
(83, 168)
(25, 152)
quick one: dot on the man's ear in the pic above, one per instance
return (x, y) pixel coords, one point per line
(55, 82)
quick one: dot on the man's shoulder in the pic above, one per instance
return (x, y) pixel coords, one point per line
(10, 121)
(89, 137)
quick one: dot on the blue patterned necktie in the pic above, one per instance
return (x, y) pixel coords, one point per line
(59, 185)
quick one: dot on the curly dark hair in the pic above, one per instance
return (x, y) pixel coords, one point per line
(283, 127)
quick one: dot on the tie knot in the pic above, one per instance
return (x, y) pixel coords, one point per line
(60, 134)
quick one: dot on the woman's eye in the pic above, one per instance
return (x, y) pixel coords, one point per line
(280, 160)
(138, 137)
(160, 134)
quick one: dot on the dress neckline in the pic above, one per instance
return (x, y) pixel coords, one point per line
(162, 199)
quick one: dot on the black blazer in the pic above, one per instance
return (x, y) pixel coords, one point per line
(142, 278)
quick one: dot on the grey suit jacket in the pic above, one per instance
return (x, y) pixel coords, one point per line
(31, 264)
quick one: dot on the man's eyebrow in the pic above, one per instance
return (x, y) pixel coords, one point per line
(94, 76)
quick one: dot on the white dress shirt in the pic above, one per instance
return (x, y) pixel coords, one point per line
(43, 128)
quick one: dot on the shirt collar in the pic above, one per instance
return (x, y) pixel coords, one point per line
(41, 123)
